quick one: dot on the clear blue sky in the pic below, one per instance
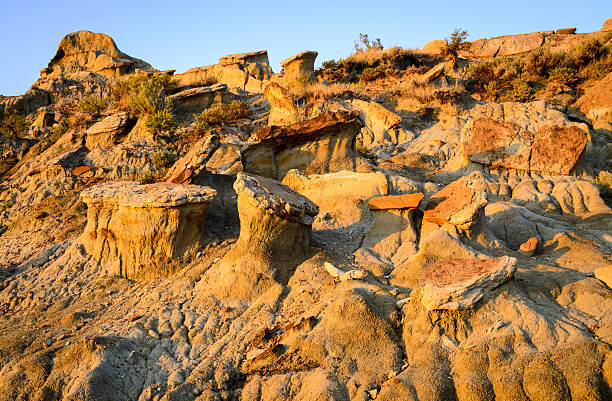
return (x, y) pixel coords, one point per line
(184, 34)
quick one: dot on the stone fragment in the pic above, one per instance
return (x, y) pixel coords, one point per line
(459, 203)
(458, 284)
(604, 274)
(82, 170)
(406, 201)
(528, 247)
(379, 121)
(433, 73)
(332, 270)
(324, 144)
(299, 67)
(607, 26)
(275, 235)
(139, 231)
(283, 110)
(107, 132)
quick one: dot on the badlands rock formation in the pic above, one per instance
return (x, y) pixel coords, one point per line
(141, 230)
(411, 237)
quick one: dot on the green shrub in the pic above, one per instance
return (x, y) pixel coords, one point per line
(201, 125)
(329, 64)
(220, 113)
(586, 52)
(143, 94)
(456, 43)
(538, 61)
(161, 120)
(12, 124)
(493, 89)
(163, 158)
(521, 91)
(93, 105)
(372, 73)
(563, 75)
(363, 44)
(149, 177)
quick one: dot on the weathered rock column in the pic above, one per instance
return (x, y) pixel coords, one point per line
(139, 231)
(275, 235)
(299, 67)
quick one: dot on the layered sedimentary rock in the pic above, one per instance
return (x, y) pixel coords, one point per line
(247, 71)
(195, 100)
(324, 144)
(299, 67)
(96, 52)
(139, 231)
(379, 123)
(392, 237)
(283, 110)
(275, 236)
(513, 138)
(458, 284)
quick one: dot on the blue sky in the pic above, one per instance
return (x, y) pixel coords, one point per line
(184, 34)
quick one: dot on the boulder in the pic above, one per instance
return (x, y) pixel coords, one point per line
(275, 236)
(556, 149)
(299, 67)
(460, 203)
(596, 103)
(108, 131)
(324, 144)
(566, 31)
(607, 26)
(141, 231)
(528, 247)
(435, 46)
(392, 237)
(283, 110)
(195, 100)
(184, 170)
(459, 283)
(530, 137)
(433, 73)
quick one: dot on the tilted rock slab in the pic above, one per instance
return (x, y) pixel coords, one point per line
(195, 100)
(460, 203)
(139, 230)
(323, 144)
(596, 103)
(194, 162)
(458, 284)
(275, 234)
(392, 237)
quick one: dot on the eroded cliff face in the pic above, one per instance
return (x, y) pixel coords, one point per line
(304, 242)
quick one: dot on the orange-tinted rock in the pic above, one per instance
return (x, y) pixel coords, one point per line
(81, 170)
(596, 103)
(406, 201)
(556, 149)
(435, 46)
(604, 274)
(283, 110)
(324, 144)
(607, 26)
(506, 45)
(566, 31)
(459, 283)
(496, 143)
(259, 57)
(528, 247)
(458, 203)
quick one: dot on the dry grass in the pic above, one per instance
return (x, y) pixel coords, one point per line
(414, 94)
(373, 56)
(320, 90)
